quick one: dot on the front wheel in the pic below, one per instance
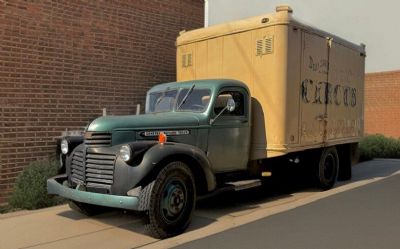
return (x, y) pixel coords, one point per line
(327, 168)
(172, 201)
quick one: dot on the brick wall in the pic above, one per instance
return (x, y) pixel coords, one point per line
(382, 103)
(61, 62)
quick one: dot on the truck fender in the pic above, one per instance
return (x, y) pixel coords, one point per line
(154, 157)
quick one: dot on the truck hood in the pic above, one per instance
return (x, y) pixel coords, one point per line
(133, 122)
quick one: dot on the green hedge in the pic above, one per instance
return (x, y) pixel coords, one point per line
(30, 188)
(379, 146)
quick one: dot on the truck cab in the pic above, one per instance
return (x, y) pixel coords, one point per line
(216, 128)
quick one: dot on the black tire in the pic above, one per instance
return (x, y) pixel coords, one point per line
(86, 209)
(172, 201)
(327, 168)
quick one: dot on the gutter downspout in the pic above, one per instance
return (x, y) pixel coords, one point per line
(205, 13)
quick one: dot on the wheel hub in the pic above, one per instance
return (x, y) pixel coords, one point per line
(173, 200)
(176, 200)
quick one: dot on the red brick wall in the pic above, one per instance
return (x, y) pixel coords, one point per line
(382, 103)
(61, 62)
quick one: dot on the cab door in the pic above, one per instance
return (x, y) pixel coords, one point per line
(229, 134)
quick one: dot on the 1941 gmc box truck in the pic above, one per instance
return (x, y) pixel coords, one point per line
(251, 93)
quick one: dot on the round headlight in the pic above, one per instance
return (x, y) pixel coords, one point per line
(64, 146)
(125, 152)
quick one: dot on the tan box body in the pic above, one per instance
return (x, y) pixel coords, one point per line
(307, 85)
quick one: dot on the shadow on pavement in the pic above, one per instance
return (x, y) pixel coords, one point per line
(282, 185)
(375, 168)
(71, 214)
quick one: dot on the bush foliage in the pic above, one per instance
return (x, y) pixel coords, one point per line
(30, 188)
(379, 146)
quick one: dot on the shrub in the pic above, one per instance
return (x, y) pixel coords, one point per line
(379, 146)
(30, 190)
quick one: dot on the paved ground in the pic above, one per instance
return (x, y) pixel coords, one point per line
(367, 218)
(59, 227)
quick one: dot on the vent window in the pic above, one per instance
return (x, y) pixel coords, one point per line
(187, 60)
(265, 46)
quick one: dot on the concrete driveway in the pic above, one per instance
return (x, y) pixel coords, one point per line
(60, 227)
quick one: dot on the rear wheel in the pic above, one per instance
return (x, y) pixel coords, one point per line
(172, 201)
(327, 168)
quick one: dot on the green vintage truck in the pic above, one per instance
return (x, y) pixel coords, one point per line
(161, 161)
(250, 94)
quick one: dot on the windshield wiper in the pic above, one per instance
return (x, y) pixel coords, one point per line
(185, 98)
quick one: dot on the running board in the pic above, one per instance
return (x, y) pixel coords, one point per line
(232, 186)
(245, 184)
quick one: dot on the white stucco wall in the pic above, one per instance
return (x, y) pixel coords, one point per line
(375, 23)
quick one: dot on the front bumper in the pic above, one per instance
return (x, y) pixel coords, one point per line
(55, 186)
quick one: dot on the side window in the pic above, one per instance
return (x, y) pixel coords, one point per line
(222, 99)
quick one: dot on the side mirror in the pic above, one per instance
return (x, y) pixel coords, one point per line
(230, 105)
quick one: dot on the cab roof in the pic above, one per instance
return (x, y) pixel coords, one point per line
(213, 84)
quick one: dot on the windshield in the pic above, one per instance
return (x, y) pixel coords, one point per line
(165, 101)
(161, 101)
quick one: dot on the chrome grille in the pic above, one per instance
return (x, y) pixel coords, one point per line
(78, 168)
(99, 170)
(97, 139)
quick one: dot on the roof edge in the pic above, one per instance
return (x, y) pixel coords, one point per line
(282, 16)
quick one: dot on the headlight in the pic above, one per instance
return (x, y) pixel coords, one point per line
(64, 146)
(125, 152)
